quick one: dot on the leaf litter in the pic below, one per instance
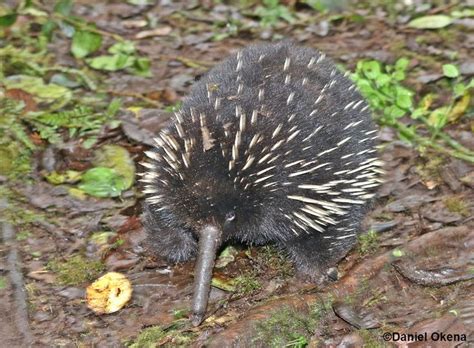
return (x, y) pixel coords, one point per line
(58, 113)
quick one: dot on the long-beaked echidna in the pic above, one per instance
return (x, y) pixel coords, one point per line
(273, 145)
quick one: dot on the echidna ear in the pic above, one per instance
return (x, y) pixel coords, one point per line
(210, 238)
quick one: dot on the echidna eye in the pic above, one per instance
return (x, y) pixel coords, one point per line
(230, 216)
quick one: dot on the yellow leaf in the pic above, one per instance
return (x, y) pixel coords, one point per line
(109, 293)
(426, 102)
(459, 108)
(135, 109)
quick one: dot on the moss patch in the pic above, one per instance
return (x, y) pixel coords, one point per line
(148, 337)
(285, 328)
(429, 170)
(156, 336)
(291, 327)
(368, 242)
(247, 283)
(372, 339)
(276, 260)
(76, 270)
(456, 205)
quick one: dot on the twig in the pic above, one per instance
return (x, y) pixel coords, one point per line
(20, 303)
(450, 141)
(428, 143)
(135, 95)
(192, 63)
(443, 8)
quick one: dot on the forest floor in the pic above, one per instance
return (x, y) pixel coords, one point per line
(85, 87)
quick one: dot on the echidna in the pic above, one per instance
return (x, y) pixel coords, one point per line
(273, 145)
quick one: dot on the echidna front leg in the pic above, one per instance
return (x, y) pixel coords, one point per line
(314, 254)
(172, 243)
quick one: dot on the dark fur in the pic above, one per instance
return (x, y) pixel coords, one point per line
(208, 190)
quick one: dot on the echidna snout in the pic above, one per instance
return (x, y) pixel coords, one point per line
(272, 145)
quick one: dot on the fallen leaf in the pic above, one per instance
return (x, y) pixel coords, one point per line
(450, 70)
(162, 31)
(109, 293)
(27, 98)
(85, 43)
(103, 182)
(118, 158)
(430, 22)
(459, 108)
(57, 95)
(111, 63)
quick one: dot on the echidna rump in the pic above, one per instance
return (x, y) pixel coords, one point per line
(273, 145)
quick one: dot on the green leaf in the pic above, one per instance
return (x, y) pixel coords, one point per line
(102, 182)
(141, 67)
(34, 12)
(401, 64)
(467, 12)
(417, 113)
(459, 89)
(113, 107)
(430, 22)
(7, 20)
(85, 43)
(271, 3)
(318, 5)
(70, 177)
(394, 112)
(398, 75)
(126, 47)
(64, 80)
(21, 135)
(285, 14)
(404, 100)
(398, 253)
(439, 117)
(111, 63)
(407, 134)
(48, 28)
(383, 80)
(117, 158)
(450, 70)
(88, 143)
(63, 7)
(226, 256)
(102, 237)
(371, 69)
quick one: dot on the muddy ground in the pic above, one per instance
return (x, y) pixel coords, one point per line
(414, 274)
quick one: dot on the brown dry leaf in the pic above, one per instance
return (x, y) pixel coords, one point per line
(27, 98)
(109, 293)
(132, 23)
